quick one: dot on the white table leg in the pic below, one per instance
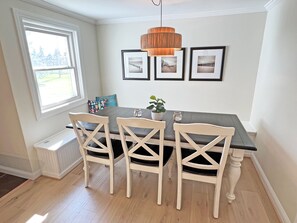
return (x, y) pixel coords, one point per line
(234, 172)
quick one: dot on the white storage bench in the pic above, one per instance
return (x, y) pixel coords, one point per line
(58, 154)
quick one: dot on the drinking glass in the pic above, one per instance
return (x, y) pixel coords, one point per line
(137, 112)
(177, 116)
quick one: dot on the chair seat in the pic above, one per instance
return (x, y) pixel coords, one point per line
(116, 146)
(141, 151)
(200, 160)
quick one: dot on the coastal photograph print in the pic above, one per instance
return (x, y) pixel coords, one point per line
(170, 67)
(207, 63)
(135, 65)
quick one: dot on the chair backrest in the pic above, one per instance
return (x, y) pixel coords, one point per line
(128, 127)
(218, 132)
(87, 138)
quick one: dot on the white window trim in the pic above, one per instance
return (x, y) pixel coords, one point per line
(19, 16)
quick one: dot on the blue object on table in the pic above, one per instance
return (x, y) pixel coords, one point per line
(107, 101)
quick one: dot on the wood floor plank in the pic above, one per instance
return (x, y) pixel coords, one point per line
(254, 207)
(67, 200)
(259, 188)
(200, 202)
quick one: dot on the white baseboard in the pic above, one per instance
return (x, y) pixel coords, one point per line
(271, 194)
(36, 174)
(20, 173)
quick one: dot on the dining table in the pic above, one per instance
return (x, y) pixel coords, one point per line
(240, 143)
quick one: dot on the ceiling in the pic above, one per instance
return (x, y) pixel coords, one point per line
(112, 10)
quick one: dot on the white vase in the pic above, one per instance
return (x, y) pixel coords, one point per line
(157, 116)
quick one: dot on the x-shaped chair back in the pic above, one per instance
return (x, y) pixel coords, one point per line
(86, 137)
(220, 133)
(126, 126)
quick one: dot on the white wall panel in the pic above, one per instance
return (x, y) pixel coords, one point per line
(275, 104)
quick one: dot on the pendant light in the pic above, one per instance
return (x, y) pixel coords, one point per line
(161, 41)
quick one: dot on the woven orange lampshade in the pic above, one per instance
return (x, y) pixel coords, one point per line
(161, 41)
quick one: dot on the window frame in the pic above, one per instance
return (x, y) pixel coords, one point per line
(25, 21)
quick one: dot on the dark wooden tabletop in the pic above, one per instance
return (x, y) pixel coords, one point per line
(240, 140)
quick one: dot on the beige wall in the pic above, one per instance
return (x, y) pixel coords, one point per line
(242, 34)
(275, 104)
(31, 130)
(12, 144)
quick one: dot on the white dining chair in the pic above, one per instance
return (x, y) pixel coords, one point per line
(196, 162)
(96, 146)
(147, 153)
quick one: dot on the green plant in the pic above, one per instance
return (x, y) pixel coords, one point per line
(156, 104)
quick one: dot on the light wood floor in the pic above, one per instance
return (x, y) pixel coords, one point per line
(67, 200)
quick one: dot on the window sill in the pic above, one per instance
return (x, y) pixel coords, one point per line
(59, 109)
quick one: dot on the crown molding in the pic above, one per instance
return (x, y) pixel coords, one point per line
(271, 4)
(182, 16)
(46, 5)
(60, 10)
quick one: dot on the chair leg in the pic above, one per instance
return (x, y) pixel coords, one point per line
(179, 190)
(111, 171)
(129, 182)
(160, 181)
(86, 170)
(217, 200)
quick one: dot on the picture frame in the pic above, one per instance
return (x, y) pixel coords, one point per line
(135, 65)
(171, 67)
(207, 63)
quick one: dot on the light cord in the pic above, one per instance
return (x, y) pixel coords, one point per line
(160, 3)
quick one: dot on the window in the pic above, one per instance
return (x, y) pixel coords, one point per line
(51, 55)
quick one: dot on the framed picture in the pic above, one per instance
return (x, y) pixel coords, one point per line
(136, 65)
(170, 67)
(207, 63)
